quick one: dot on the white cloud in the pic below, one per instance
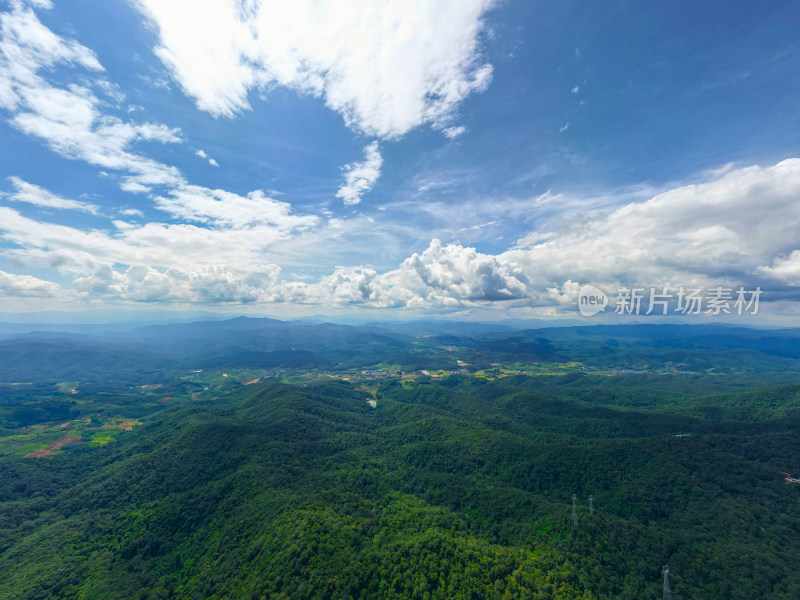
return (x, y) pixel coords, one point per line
(210, 284)
(175, 262)
(247, 233)
(344, 286)
(739, 224)
(575, 90)
(719, 170)
(27, 286)
(564, 127)
(724, 231)
(132, 212)
(454, 132)
(460, 273)
(784, 269)
(68, 118)
(202, 154)
(33, 194)
(27, 46)
(226, 209)
(441, 276)
(70, 123)
(41, 3)
(386, 66)
(739, 228)
(361, 176)
(49, 245)
(728, 230)
(113, 91)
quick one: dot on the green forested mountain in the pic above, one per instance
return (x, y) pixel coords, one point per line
(457, 488)
(133, 354)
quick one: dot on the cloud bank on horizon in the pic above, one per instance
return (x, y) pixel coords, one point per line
(385, 155)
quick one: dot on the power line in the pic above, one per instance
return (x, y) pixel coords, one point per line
(613, 544)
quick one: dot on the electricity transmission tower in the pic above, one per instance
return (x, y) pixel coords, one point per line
(667, 592)
(574, 511)
(591, 505)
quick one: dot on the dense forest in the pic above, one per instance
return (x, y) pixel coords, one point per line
(104, 356)
(459, 487)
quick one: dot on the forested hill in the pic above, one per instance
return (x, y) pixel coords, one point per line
(93, 353)
(459, 488)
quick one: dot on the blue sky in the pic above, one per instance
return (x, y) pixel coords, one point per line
(461, 157)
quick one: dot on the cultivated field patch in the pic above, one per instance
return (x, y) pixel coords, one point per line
(51, 448)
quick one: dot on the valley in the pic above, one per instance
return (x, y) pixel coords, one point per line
(442, 477)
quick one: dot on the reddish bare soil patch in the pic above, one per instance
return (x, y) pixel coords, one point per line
(254, 381)
(165, 400)
(55, 445)
(373, 393)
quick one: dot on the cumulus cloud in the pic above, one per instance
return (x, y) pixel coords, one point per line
(33, 194)
(361, 176)
(460, 273)
(440, 276)
(361, 286)
(210, 284)
(27, 286)
(385, 66)
(784, 269)
(68, 117)
(738, 228)
(729, 230)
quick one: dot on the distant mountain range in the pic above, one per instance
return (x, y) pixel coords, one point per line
(55, 353)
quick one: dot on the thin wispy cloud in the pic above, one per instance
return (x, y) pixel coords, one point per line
(202, 154)
(360, 177)
(33, 194)
(69, 118)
